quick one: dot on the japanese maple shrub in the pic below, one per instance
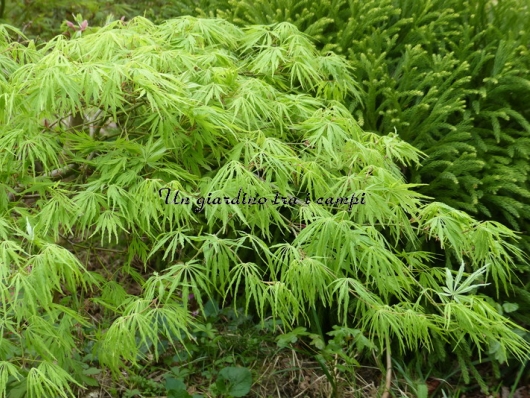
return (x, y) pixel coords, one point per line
(100, 131)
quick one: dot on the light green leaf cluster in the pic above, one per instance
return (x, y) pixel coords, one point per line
(452, 77)
(97, 135)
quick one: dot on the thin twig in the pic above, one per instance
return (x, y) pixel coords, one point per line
(388, 382)
(92, 247)
(59, 172)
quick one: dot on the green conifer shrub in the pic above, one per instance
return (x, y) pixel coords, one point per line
(100, 130)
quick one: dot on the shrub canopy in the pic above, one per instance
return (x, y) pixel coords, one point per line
(100, 130)
(451, 76)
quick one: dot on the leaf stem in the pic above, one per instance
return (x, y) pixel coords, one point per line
(388, 381)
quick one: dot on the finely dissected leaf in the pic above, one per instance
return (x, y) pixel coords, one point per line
(7, 370)
(49, 379)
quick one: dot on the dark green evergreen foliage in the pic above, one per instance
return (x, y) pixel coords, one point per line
(451, 77)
